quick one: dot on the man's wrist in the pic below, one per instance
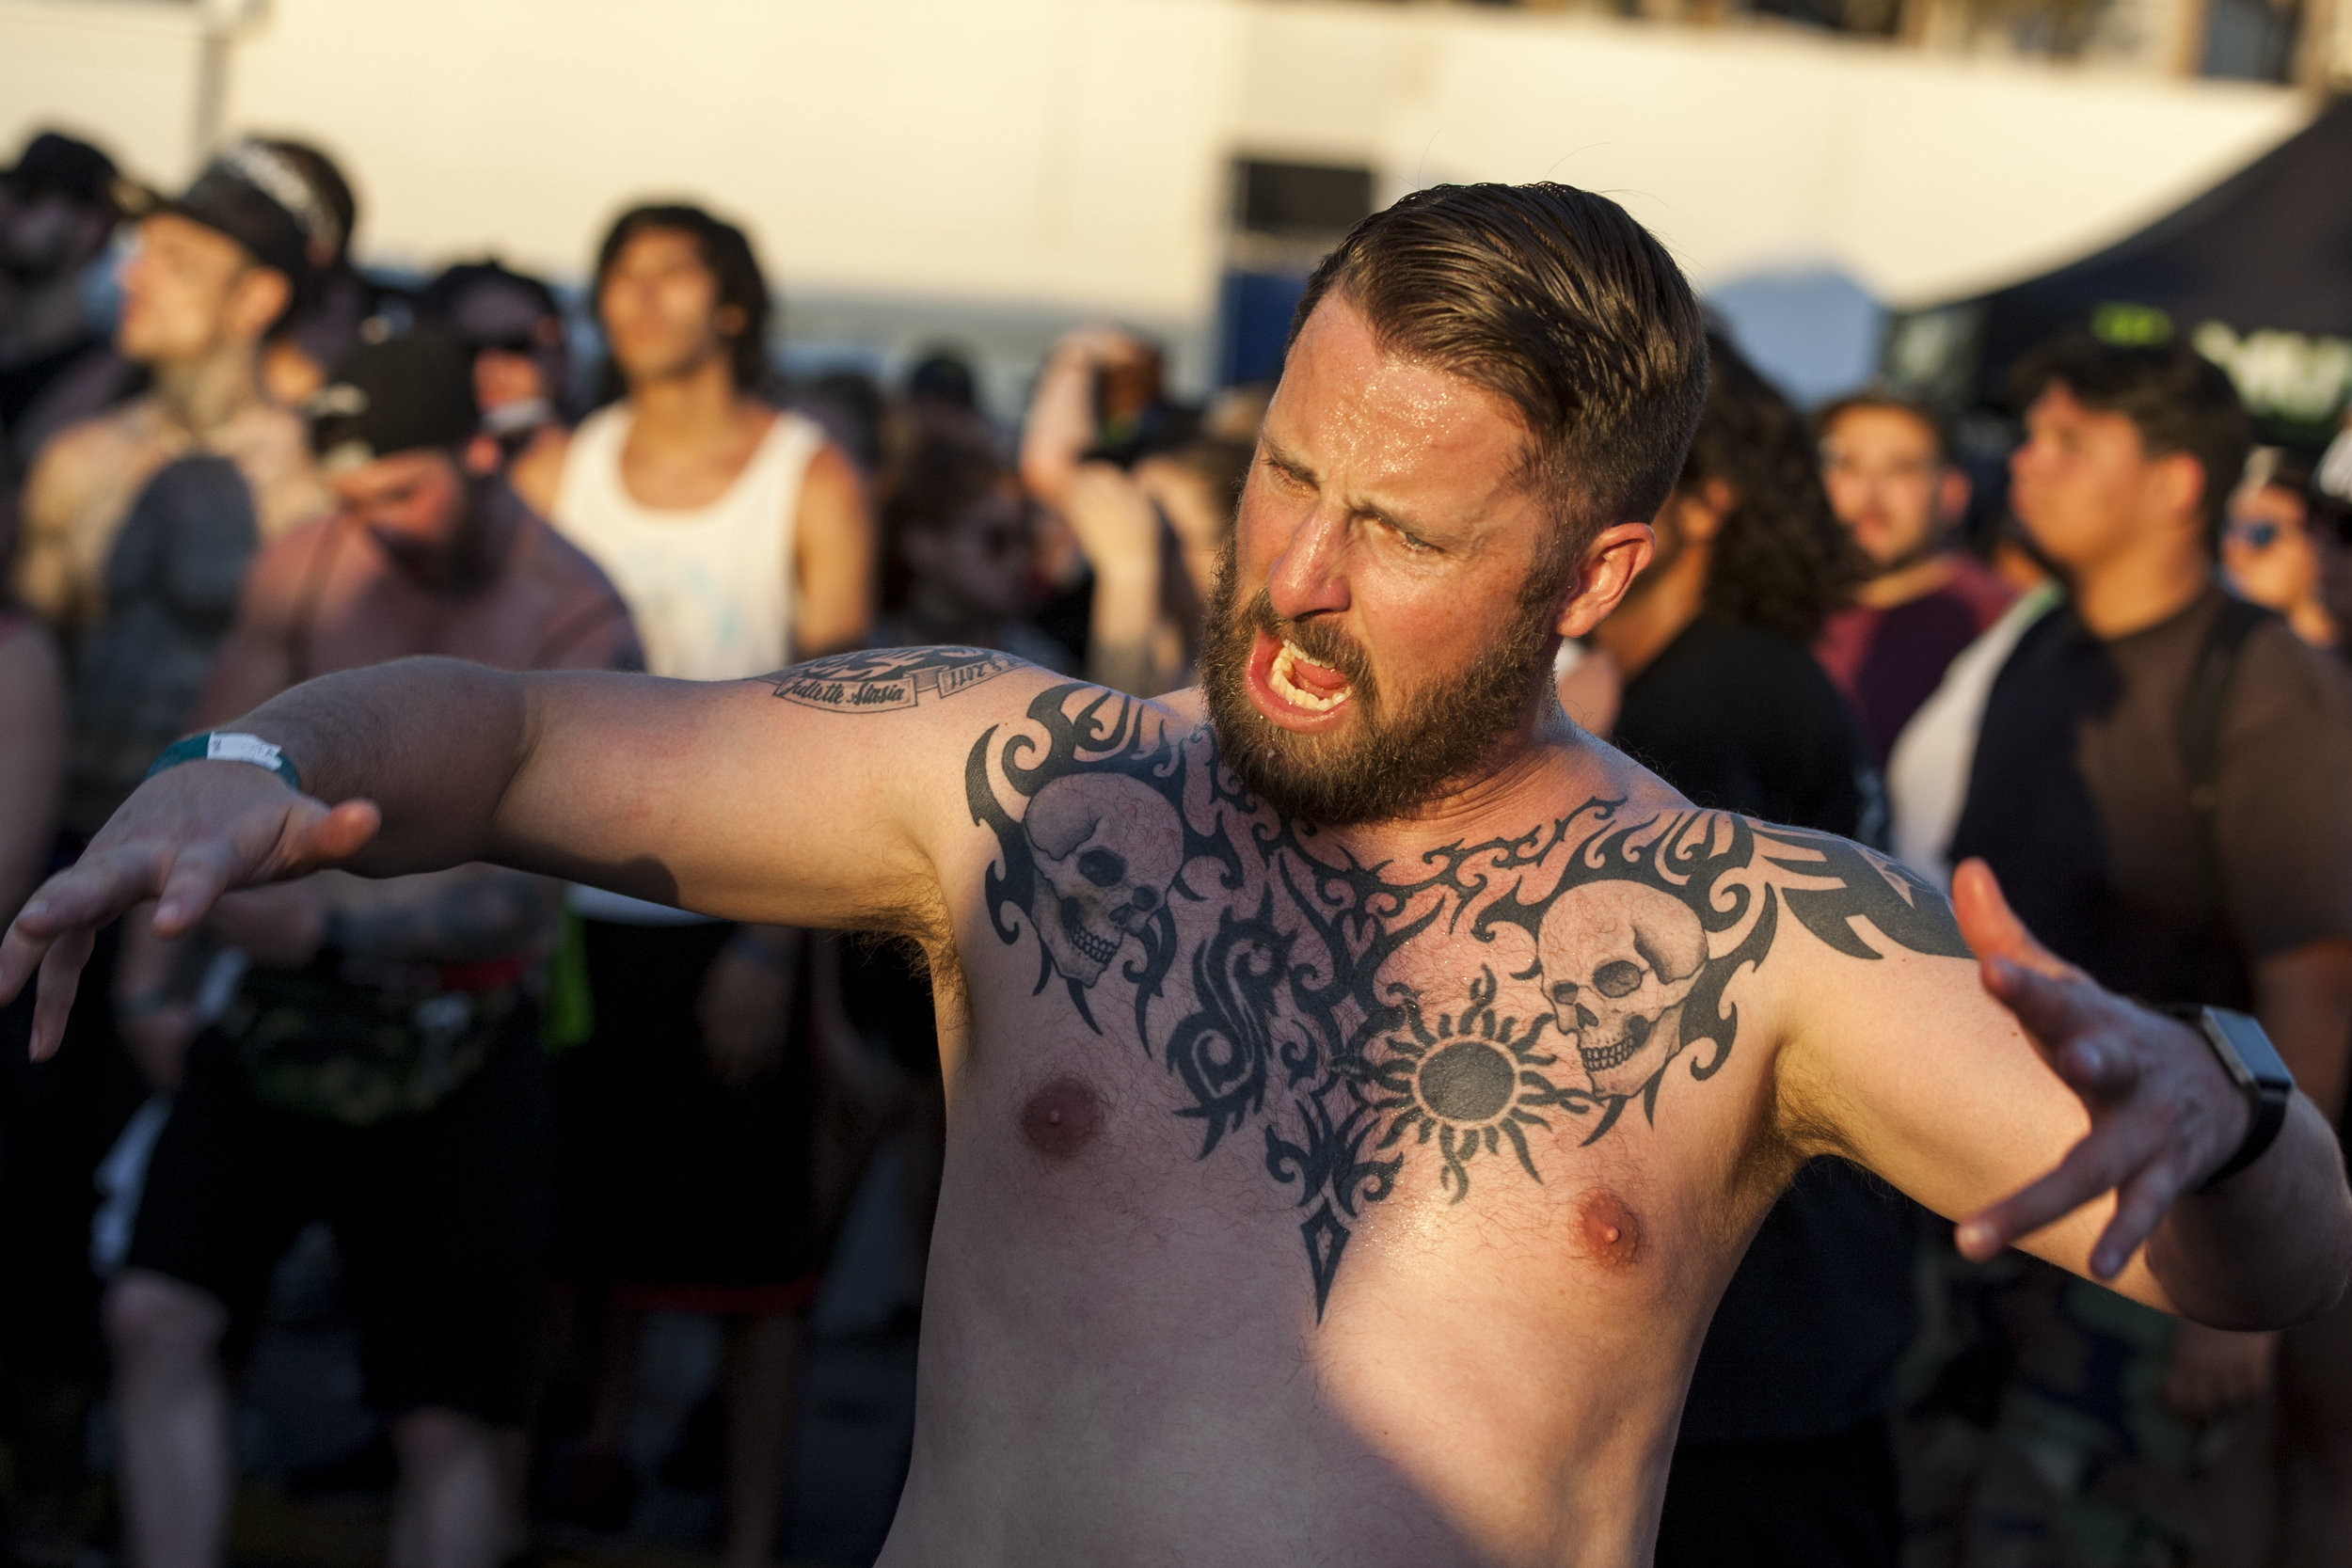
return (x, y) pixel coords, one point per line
(228, 746)
(2254, 1068)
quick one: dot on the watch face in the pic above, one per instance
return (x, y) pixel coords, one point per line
(2243, 1039)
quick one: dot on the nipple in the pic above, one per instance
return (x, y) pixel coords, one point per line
(1608, 1232)
(1059, 1118)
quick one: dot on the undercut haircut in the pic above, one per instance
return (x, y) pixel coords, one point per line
(1556, 301)
(1881, 400)
(726, 251)
(2177, 399)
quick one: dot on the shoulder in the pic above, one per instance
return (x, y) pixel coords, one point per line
(81, 451)
(1975, 586)
(536, 474)
(281, 564)
(583, 621)
(831, 475)
(2286, 679)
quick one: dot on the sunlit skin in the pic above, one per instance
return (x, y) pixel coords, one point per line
(1386, 499)
(659, 307)
(1121, 1313)
(1894, 492)
(2120, 523)
(188, 290)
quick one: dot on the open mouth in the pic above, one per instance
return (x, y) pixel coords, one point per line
(1095, 949)
(1292, 689)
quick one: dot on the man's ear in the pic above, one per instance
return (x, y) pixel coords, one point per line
(481, 457)
(2180, 485)
(1603, 573)
(256, 300)
(1703, 510)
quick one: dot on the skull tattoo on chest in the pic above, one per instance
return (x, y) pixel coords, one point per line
(1499, 1001)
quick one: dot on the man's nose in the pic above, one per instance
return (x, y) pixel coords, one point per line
(1309, 577)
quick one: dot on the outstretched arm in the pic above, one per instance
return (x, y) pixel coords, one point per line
(2019, 1098)
(816, 809)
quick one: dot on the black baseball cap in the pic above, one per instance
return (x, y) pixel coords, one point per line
(401, 394)
(53, 161)
(268, 203)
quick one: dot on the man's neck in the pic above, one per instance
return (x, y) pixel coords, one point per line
(1514, 787)
(1652, 617)
(1907, 582)
(203, 394)
(2140, 588)
(691, 411)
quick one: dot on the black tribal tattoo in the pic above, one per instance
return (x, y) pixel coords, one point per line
(1279, 983)
(1283, 984)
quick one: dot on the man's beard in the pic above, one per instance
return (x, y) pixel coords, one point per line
(1385, 764)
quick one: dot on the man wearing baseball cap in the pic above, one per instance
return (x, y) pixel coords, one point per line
(212, 273)
(380, 1068)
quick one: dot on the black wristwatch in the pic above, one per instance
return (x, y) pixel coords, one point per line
(2252, 1063)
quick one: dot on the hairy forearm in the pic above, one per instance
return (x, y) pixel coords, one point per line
(2273, 1246)
(434, 742)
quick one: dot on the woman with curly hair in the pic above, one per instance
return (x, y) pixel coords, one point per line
(1722, 697)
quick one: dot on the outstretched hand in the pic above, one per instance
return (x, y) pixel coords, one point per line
(183, 838)
(2163, 1114)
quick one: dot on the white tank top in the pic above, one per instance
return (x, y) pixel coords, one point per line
(709, 587)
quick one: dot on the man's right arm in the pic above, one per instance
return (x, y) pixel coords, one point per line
(818, 809)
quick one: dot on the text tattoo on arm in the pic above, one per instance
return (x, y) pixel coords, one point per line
(1282, 984)
(884, 680)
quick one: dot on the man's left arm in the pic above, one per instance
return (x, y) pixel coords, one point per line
(2020, 1099)
(833, 559)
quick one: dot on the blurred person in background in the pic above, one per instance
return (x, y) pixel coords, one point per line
(380, 1066)
(958, 544)
(2283, 548)
(512, 323)
(1784, 1455)
(2162, 780)
(742, 541)
(296, 359)
(138, 524)
(59, 207)
(942, 383)
(1888, 468)
(1144, 502)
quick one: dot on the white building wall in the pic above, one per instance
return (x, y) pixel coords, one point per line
(1075, 152)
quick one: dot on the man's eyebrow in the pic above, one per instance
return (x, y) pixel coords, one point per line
(1296, 468)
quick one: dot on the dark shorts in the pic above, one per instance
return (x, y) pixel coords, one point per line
(439, 1218)
(680, 1189)
(1818, 1502)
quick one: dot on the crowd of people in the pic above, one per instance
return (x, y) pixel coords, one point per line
(534, 1111)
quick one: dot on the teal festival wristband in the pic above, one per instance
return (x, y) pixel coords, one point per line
(228, 746)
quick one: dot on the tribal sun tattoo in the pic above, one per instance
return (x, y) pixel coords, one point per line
(1280, 984)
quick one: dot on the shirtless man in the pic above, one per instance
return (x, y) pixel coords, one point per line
(212, 275)
(381, 1068)
(1362, 1083)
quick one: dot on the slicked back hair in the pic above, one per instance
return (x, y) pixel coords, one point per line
(726, 250)
(1555, 300)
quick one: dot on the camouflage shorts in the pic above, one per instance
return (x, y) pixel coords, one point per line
(2032, 1432)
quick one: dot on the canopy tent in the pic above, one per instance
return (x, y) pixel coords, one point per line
(2256, 273)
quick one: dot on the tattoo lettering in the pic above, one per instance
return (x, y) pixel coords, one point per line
(887, 680)
(1481, 1005)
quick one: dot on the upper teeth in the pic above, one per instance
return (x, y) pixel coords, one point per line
(1279, 677)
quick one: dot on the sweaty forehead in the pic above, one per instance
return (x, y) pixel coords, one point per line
(1364, 418)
